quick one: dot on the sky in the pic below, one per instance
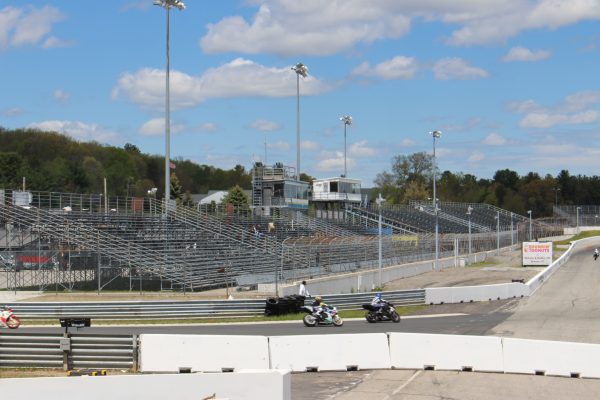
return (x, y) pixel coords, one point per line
(511, 84)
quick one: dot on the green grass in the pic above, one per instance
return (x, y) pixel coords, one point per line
(581, 235)
(406, 310)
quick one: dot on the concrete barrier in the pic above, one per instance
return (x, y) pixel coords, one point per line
(460, 294)
(546, 357)
(330, 352)
(450, 352)
(245, 385)
(206, 353)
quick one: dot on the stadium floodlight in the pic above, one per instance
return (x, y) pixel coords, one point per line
(380, 200)
(167, 5)
(347, 120)
(469, 212)
(435, 135)
(300, 69)
(530, 235)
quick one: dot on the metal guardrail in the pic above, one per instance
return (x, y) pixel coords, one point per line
(86, 351)
(193, 308)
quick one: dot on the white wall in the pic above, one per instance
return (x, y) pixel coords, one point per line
(245, 385)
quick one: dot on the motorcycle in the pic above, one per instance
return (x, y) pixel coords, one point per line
(386, 312)
(8, 319)
(314, 318)
(595, 256)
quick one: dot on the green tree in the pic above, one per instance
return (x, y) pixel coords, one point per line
(236, 197)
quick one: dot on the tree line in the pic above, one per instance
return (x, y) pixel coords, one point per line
(54, 162)
(411, 178)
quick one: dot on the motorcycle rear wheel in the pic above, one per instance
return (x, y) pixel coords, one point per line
(13, 323)
(337, 321)
(309, 320)
(395, 317)
(371, 317)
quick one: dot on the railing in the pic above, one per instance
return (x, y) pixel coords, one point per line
(192, 308)
(86, 351)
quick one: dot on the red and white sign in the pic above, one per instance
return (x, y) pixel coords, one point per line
(537, 253)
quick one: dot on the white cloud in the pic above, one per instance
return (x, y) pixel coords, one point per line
(325, 27)
(79, 130)
(156, 127)
(361, 149)
(457, 68)
(309, 145)
(238, 78)
(263, 125)
(53, 42)
(280, 145)
(524, 54)
(399, 67)
(576, 109)
(26, 26)
(407, 142)
(12, 112)
(493, 139)
(476, 156)
(61, 96)
(207, 127)
(316, 27)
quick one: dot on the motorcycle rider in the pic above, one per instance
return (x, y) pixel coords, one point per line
(379, 303)
(596, 253)
(320, 308)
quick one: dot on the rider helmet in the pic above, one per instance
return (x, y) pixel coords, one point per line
(378, 295)
(318, 298)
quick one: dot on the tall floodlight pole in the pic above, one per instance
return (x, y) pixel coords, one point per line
(578, 208)
(469, 211)
(379, 202)
(435, 135)
(300, 69)
(556, 190)
(530, 236)
(512, 232)
(347, 120)
(167, 5)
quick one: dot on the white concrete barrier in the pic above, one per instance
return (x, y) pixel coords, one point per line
(330, 352)
(459, 294)
(526, 356)
(245, 385)
(451, 352)
(208, 353)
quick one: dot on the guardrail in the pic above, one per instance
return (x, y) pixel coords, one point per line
(193, 308)
(86, 351)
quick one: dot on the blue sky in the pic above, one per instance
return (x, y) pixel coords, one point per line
(514, 85)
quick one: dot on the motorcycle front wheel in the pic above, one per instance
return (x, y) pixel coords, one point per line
(309, 320)
(337, 321)
(13, 323)
(395, 317)
(371, 317)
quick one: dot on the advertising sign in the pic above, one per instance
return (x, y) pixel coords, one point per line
(537, 253)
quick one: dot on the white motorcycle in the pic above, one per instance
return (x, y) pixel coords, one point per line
(8, 318)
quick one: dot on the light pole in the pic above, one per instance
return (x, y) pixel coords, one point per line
(152, 195)
(469, 211)
(435, 135)
(379, 202)
(300, 69)
(578, 208)
(347, 120)
(556, 190)
(167, 5)
(529, 212)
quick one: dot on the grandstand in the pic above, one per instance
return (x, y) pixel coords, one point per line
(77, 241)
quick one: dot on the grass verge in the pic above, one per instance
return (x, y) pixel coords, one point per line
(404, 310)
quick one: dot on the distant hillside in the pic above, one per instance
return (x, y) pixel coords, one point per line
(54, 162)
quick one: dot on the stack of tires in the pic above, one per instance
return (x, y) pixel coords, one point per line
(284, 305)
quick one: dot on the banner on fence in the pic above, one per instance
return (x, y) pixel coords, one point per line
(537, 253)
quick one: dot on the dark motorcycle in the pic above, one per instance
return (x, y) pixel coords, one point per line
(313, 318)
(595, 256)
(385, 312)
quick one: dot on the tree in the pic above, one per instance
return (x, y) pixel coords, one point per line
(237, 198)
(415, 168)
(177, 191)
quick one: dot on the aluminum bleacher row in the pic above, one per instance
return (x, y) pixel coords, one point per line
(195, 249)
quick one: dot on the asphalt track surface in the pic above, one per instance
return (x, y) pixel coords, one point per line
(566, 307)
